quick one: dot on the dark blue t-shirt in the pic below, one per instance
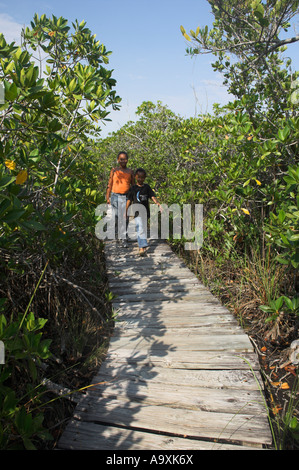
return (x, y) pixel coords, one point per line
(141, 195)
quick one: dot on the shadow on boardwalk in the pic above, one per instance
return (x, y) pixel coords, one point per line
(176, 375)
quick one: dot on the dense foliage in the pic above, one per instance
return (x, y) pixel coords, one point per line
(56, 91)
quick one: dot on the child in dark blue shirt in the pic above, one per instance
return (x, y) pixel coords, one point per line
(140, 193)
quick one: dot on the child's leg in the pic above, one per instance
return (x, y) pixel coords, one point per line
(122, 220)
(118, 204)
(141, 232)
(114, 206)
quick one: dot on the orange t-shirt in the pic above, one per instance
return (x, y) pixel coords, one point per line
(120, 181)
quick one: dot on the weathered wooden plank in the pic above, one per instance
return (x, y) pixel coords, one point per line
(191, 288)
(191, 332)
(176, 323)
(131, 270)
(164, 296)
(132, 246)
(144, 282)
(155, 293)
(153, 245)
(205, 314)
(151, 274)
(133, 255)
(221, 379)
(176, 302)
(168, 342)
(147, 261)
(174, 395)
(177, 359)
(171, 318)
(191, 423)
(79, 435)
(155, 308)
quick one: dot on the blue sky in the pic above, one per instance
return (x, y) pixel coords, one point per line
(148, 49)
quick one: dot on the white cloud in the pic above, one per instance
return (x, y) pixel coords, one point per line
(10, 28)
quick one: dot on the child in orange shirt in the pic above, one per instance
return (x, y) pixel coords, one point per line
(120, 180)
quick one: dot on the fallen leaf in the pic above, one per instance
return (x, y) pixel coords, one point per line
(276, 409)
(246, 211)
(291, 369)
(22, 177)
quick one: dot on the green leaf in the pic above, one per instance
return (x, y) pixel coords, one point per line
(266, 308)
(294, 263)
(33, 225)
(55, 125)
(10, 401)
(282, 260)
(288, 303)
(13, 216)
(294, 425)
(281, 215)
(72, 85)
(6, 181)
(284, 133)
(11, 91)
(273, 317)
(278, 303)
(28, 444)
(294, 238)
(23, 422)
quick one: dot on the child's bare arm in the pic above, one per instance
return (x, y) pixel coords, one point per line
(155, 200)
(109, 186)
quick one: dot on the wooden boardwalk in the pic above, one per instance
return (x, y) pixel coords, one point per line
(179, 373)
